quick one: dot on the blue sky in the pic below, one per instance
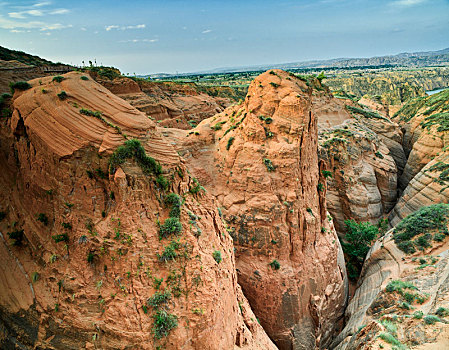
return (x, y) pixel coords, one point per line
(178, 35)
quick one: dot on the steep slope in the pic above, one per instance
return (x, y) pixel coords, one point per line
(402, 299)
(259, 159)
(101, 245)
(424, 178)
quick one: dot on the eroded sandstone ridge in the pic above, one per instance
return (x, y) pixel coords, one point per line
(260, 160)
(128, 254)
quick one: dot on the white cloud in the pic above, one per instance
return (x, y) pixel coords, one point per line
(139, 41)
(83, 29)
(138, 26)
(37, 13)
(55, 26)
(59, 12)
(43, 3)
(108, 28)
(407, 3)
(206, 31)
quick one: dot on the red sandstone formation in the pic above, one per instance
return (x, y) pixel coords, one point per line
(90, 256)
(260, 160)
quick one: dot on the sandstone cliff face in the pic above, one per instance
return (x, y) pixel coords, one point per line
(90, 255)
(423, 180)
(401, 300)
(169, 104)
(363, 185)
(259, 159)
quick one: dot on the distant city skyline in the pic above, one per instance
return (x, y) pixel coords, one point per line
(145, 37)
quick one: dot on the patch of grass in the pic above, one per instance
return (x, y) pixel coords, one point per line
(269, 164)
(35, 277)
(164, 323)
(19, 85)
(418, 315)
(67, 225)
(326, 173)
(169, 252)
(433, 217)
(431, 319)
(364, 112)
(218, 125)
(63, 237)
(134, 149)
(171, 226)
(440, 119)
(88, 112)
(442, 312)
(162, 182)
(174, 201)
(159, 299)
(58, 78)
(17, 237)
(229, 144)
(275, 265)
(217, 256)
(399, 286)
(43, 218)
(62, 95)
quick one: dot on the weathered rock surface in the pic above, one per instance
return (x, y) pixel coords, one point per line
(363, 185)
(259, 159)
(424, 178)
(90, 289)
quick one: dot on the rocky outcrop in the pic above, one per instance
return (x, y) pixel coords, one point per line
(88, 259)
(401, 299)
(423, 180)
(363, 181)
(259, 159)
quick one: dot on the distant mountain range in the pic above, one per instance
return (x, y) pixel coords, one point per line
(405, 59)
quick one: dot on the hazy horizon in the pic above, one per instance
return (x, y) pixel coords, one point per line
(145, 37)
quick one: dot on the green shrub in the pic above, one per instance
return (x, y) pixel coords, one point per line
(418, 315)
(84, 78)
(174, 201)
(158, 299)
(171, 226)
(230, 142)
(35, 277)
(58, 78)
(442, 312)
(162, 182)
(2, 215)
(134, 149)
(169, 252)
(217, 126)
(433, 217)
(356, 244)
(399, 286)
(438, 237)
(43, 218)
(67, 225)
(320, 187)
(431, 319)
(389, 326)
(19, 85)
(17, 236)
(274, 85)
(326, 173)
(391, 339)
(88, 112)
(164, 323)
(404, 305)
(217, 256)
(268, 164)
(90, 257)
(275, 265)
(62, 95)
(63, 237)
